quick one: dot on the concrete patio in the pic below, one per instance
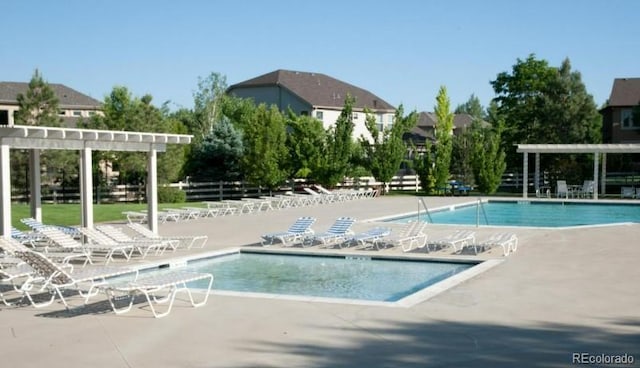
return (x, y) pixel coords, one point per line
(564, 291)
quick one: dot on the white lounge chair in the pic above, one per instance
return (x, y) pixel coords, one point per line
(456, 240)
(144, 245)
(368, 238)
(68, 243)
(338, 232)
(410, 236)
(297, 231)
(53, 278)
(587, 189)
(98, 238)
(158, 289)
(508, 242)
(185, 241)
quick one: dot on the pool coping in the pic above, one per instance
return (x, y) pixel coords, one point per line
(480, 266)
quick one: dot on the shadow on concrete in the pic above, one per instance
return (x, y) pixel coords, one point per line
(457, 344)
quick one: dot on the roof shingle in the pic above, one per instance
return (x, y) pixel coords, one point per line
(317, 89)
(625, 92)
(67, 97)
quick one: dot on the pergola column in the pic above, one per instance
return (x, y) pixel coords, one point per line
(595, 175)
(5, 192)
(152, 190)
(603, 175)
(525, 174)
(35, 200)
(86, 187)
(536, 175)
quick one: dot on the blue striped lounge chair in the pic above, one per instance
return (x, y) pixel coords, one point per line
(300, 229)
(338, 232)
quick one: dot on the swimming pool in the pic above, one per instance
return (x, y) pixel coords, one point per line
(344, 277)
(531, 213)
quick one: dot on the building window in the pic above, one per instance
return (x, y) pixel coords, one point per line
(4, 117)
(354, 116)
(319, 115)
(77, 113)
(626, 116)
(62, 113)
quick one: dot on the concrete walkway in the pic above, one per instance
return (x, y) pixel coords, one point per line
(563, 292)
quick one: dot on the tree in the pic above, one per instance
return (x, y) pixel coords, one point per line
(208, 100)
(306, 140)
(423, 163)
(488, 157)
(472, 107)
(385, 152)
(544, 104)
(39, 105)
(265, 152)
(339, 148)
(443, 136)
(218, 156)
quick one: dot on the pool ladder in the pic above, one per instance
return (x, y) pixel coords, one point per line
(479, 207)
(421, 200)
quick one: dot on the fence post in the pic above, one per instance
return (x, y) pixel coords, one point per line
(220, 186)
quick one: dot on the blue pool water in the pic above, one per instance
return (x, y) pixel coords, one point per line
(319, 276)
(535, 214)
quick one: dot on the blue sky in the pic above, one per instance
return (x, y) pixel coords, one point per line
(402, 51)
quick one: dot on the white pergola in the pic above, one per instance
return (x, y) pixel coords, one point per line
(36, 138)
(595, 149)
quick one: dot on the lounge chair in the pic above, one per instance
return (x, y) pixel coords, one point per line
(145, 244)
(10, 246)
(157, 289)
(297, 231)
(368, 238)
(587, 189)
(410, 236)
(508, 242)
(14, 275)
(68, 243)
(338, 232)
(456, 240)
(37, 225)
(54, 278)
(135, 217)
(98, 238)
(186, 241)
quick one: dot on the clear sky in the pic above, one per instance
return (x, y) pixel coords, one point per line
(402, 50)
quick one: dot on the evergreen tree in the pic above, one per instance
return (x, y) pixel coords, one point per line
(306, 139)
(39, 105)
(218, 156)
(472, 107)
(443, 136)
(423, 164)
(488, 157)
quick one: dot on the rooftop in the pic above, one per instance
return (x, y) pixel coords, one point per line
(67, 97)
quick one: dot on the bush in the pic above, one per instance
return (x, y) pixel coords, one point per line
(171, 195)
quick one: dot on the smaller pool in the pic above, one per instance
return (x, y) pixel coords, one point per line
(342, 277)
(532, 214)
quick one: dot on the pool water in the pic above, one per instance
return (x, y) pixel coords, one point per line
(360, 278)
(534, 214)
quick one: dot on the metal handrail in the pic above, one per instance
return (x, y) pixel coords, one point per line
(421, 200)
(478, 208)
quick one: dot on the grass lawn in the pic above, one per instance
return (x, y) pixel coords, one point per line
(69, 214)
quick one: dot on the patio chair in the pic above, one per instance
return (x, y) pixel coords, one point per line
(158, 289)
(368, 238)
(456, 240)
(627, 192)
(508, 242)
(30, 238)
(338, 232)
(186, 241)
(135, 217)
(55, 279)
(561, 189)
(587, 189)
(98, 238)
(14, 275)
(410, 236)
(297, 231)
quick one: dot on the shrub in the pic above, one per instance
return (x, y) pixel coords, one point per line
(171, 195)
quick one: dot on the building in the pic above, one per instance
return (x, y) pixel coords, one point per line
(425, 128)
(314, 94)
(73, 105)
(618, 125)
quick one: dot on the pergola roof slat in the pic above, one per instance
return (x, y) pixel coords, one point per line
(579, 148)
